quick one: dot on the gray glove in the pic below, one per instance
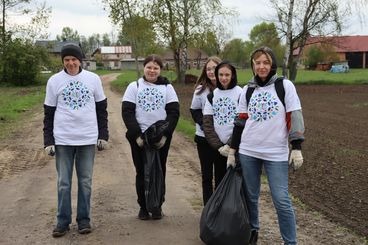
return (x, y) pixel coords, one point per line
(231, 158)
(50, 150)
(224, 150)
(101, 144)
(296, 159)
(140, 142)
(161, 143)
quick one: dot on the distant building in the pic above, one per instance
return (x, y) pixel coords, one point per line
(196, 58)
(54, 47)
(111, 56)
(350, 49)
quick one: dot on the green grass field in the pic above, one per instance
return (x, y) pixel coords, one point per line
(16, 105)
(354, 76)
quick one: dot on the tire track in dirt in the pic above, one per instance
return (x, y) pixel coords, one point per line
(23, 150)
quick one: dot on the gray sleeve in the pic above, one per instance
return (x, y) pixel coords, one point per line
(297, 126)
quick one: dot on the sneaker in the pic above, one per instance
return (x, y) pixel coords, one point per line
(84, 228)
(60, 231)
(157, 214)
(143, 214)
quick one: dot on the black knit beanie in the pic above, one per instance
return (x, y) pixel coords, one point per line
(72, 50)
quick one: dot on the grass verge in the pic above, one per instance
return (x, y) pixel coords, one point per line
(16, 105)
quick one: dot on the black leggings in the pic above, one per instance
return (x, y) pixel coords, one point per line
(211, 161)
(138, 156)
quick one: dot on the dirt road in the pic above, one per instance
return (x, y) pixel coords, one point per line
(28, 195)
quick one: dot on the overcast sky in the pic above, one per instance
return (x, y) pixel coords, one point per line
(88, 17)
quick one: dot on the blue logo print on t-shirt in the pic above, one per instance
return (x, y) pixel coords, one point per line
(150, 99)
(224, 111)
(76, 95)
(263, 106)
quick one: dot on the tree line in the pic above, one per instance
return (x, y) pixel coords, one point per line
(156, 25)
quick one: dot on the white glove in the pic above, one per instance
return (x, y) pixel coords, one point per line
(231, 158)
(224, 150)
(50, 150)
(296, 159)
(161, 143)
(140, 142)
(101, 144)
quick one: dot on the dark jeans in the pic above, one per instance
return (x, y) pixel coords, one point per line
(211, 162)
(138, 160)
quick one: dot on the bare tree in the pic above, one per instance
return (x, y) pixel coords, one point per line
(298, 20)
(137, 29)
(174, 22)
(178, 21)
(288, 38)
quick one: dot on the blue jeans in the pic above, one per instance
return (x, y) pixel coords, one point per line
(277, 175)
(65, 156)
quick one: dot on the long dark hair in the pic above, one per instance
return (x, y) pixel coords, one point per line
(203, 79)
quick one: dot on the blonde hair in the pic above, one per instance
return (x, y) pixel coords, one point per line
(258, 54)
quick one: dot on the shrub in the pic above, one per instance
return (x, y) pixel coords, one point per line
(20, 63)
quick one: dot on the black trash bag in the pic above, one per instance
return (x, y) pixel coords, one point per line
(154, 186)
(225, 217)
(154, 133)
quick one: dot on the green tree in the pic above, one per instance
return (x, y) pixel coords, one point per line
(106, 40)
(174, 22)
(94, 41)
(206, 42)
(234, 51)
(144, 40)
(18, 36)
(68, 34)
(22, 63)
(325, 52)
(177, 21)
(265, 34)
(85, 45)
(130, 16)
(314, 56)
(91, 43)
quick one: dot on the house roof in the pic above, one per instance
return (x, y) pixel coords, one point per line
(53, 46)
(342, 44)
(113, 50)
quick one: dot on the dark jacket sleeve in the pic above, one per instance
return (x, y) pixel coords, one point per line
(197, 116)
(48, 125)
(239, 125)
(130, 121)
(102, 122)
(210, 133)
(172, 116)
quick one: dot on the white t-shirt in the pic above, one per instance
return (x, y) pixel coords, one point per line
(198, 102)
(75, 121)
(265, 134)
(150, 100)
(224, 109)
